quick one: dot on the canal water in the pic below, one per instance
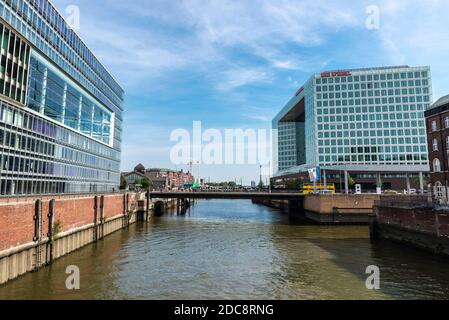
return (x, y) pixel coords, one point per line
(237, 250)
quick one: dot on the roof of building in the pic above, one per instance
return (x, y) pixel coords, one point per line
(373, 68)
(441, 102)
(441, 105)
(160, 170)
(139, 167)
(134, 172)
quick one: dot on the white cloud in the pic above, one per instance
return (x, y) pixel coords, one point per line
(150, 38)
(265, 28)
(236, 78)
(416, 33)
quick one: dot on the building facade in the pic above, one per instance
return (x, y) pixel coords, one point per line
(61, 110)
(161, 179)
(437, 120)
(360, 121)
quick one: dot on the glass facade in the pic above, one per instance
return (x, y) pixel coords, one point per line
(13, 65)
(60, 99)
(363, 117)
(61, 111)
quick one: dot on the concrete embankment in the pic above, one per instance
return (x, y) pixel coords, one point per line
(413, 222)
(329, 209)
(34, 231)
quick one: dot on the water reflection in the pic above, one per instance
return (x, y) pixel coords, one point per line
(237, 250)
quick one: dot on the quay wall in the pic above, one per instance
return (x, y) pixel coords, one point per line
(27, 243)
(424, 227)
(340, 208)
(329, 208)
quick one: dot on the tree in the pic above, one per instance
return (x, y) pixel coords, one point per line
(137, 182)
(146, 183)
(261, 185)
(123, 183)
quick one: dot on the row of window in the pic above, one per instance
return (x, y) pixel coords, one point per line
(375, 77)
(332, 125)
(350, 93)
(25, 120)
(436, 144)
(13, 65)
(369, 88)
(387, 142)
(374, 109)
(393, 159)
(356, 119)
(374, 101)
(409, 133)
(36, 146)
(434, 125)
(372, 150)
(372, 93)
(32, 148)
(29, 185)
(15, 162)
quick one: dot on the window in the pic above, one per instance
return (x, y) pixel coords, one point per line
(436, 165)
(439, 189)
(435, 145)
(434, 126)
(446, 122)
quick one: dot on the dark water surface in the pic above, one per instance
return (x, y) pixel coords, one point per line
(237, 250)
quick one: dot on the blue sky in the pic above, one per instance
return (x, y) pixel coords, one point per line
(234, 64)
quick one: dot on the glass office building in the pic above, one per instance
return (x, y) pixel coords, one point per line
(60, 109)
(356, 120)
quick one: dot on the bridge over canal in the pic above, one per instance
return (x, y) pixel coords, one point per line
(186, 199)
(321, 208)
(227, 195)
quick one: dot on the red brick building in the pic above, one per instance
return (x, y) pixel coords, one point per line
(437, 121)
(161, 179)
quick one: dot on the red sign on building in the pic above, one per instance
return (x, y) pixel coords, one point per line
(336, 74)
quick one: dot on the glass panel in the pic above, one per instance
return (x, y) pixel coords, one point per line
(86, 116)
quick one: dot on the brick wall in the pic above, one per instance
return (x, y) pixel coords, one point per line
(16, 225)
(440, 135)
(16, 215)
(421, 220)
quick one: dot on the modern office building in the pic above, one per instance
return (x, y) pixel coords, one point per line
(368, 123)
(61, 110)
(437, 118)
